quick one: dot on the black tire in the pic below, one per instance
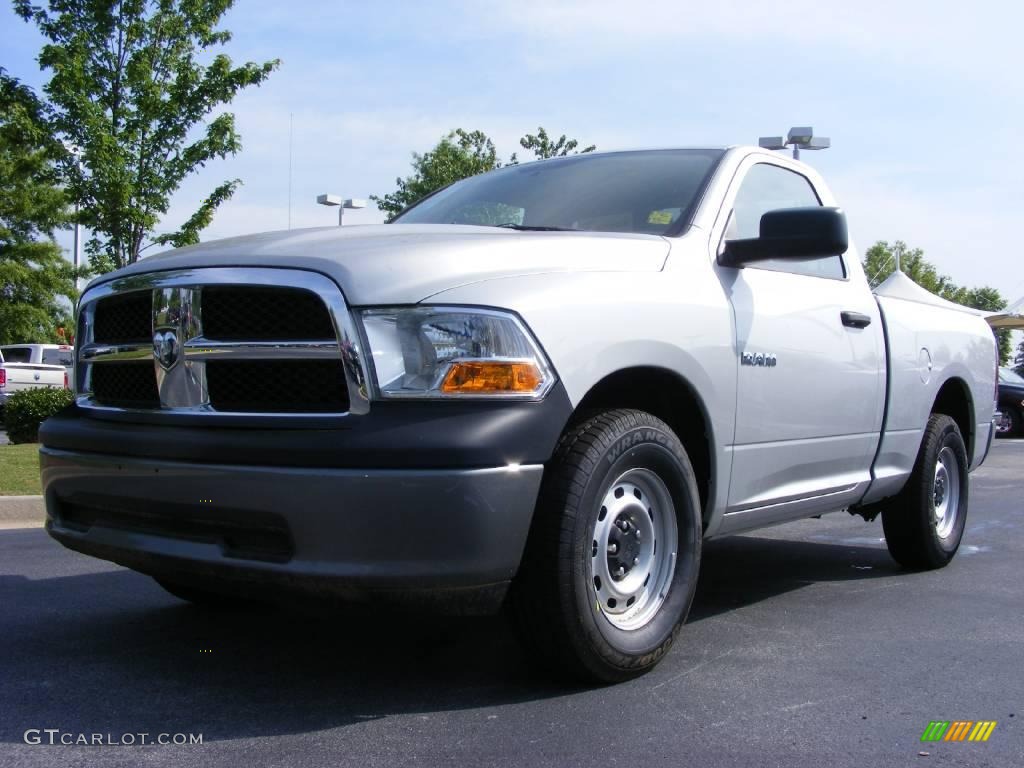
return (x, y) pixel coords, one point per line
(1012, 424)
(917, 538)
(555, 598)
(207, 598)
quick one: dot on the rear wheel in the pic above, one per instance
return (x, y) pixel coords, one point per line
(613, 554)
(924, 524)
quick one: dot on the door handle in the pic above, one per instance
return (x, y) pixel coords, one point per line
(855, 319)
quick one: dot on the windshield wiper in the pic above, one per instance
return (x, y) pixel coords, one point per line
(525, 228)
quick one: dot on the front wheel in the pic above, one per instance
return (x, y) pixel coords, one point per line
(925, 523)
(613, 555)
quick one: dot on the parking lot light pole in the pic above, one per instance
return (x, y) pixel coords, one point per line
(335, 200)
(797, 138)
(76, 152)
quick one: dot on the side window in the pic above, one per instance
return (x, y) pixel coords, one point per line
(768, 188)
(18, 354)
(58, 357)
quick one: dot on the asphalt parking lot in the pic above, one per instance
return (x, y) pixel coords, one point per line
(807, 646)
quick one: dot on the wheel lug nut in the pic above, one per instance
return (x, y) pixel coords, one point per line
(613, 548)
(636, 560)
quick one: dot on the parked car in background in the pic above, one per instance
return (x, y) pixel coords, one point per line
(33, 366)
(41, 354)
(1011, 404)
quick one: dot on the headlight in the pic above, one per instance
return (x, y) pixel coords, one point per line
(454, 352)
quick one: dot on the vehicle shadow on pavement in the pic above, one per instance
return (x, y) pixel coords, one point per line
(110, 652)
(741, 570)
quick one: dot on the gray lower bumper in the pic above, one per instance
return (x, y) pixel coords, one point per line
(352, 533)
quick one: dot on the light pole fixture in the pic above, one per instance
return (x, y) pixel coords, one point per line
(332, 200)
(798, 138)
(76, 152)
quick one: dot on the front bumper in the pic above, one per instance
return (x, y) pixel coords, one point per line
(449, 537)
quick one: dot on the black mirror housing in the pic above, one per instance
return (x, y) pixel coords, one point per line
(792, 233)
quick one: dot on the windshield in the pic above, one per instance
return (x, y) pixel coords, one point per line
(1007, 376)
(649, 192)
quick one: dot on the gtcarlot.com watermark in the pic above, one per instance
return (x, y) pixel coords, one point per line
(55, 736)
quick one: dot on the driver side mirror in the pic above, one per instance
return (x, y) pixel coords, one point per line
(791, 233)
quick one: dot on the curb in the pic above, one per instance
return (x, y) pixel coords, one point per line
(29, 510)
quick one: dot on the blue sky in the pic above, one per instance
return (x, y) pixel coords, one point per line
(922, 101)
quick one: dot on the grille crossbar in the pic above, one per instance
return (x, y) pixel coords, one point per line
(204, 350)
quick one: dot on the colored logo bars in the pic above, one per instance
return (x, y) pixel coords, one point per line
(958, 730)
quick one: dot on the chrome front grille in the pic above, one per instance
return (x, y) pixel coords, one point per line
(220, 342)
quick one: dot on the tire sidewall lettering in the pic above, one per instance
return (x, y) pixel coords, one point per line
(632, 439)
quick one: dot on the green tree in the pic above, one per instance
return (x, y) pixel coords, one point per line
(459, 155)
(127, 87)
(37, 284)
(989, 300)
(543, 148)
(880, 262)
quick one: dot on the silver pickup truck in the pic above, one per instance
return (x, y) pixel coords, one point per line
(542, 387)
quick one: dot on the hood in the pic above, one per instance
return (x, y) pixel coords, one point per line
(407, 263)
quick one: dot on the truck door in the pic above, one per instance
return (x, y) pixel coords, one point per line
(810, 367)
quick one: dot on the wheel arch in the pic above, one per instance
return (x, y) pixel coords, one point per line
(954, 400)
(670, 397)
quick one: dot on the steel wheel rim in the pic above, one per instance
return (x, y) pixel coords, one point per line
(633, 549)
(946, 492)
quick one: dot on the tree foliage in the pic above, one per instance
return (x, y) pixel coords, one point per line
(543, 147)
(37, 284)
(459, 155)
(880, 262)
(129, 89)
(26, 409)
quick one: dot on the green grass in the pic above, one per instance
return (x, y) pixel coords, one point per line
(19, 470)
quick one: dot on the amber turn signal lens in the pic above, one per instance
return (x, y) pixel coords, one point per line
(486, 378)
